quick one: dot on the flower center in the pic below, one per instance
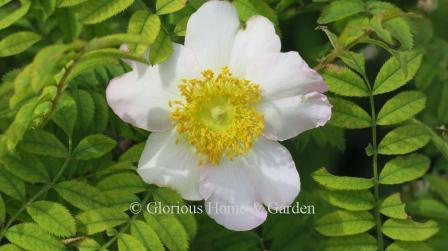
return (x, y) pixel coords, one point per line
(218, 115)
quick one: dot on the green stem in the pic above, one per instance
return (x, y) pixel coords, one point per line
(128, 223)
(47, 187)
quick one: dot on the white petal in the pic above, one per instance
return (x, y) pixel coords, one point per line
(256, 39)
(284, 75)
(167, 164)
(287, 117)
(266, 174)
(211, 32)
(141, 97)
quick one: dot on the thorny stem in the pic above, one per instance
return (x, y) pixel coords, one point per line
(44, 189)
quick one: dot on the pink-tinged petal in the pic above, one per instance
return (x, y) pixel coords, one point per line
(283, 75)
(167, 163)
(287, 117)
(258, 38)
(141, 96)
(266, 174)
(210, 33)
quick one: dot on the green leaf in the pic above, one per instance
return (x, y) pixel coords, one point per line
(341, 9)
(114, 54)
(249, 8)
(65, 114)
(181, 27)
(401, 107)
(349, 200)
(377, 25)
(404, 139)
(169, 197)
(120, 200)
(408, 230)
(68, 23)
(92, 12)
(326, 179)
(146, 235)
(392, 74)
(45, 65)
(10, 19)
(354, 60)
(128, 182)
(401, 30)
(134, 153)
(26, 166)
(438, 185)
(116, 40)
(404, 169)
(364, 242)
(169, 229)
(344, 81)
(52, 217)
(347, 114)
(43, 143)
(11, 185)
(161, 49)
(169, 6)
(87, 244)
(69, 3)
(342, 223)
(408, 246)
(2, 210)
(428, 208)
(93, 146)
(145, 24)
(86, 110)
(81, 195)
(17, 43)
(10, 247)
(101, 113)
(393, 207)
(128, 242)
(31, 237)
(100, 219)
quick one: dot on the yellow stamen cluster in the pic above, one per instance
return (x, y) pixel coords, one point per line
(218, 116)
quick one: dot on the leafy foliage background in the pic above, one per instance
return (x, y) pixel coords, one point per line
(67, 163)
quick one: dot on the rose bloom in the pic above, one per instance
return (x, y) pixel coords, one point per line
(216, 109)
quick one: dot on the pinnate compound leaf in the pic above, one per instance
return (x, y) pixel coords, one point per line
(65, 114)
(342, 223)
(344, 81)
(401, 107)
(161, 49)
(41, 142)
(349, 115)
(145, 24)
(393, 207)
(17, 43)
(409, 246)
(93, 146)
(92, 12)
(16, 14)
(438, 185)
(32, 237)
(169, 197)
(326, 179)
(169, 6)
(146, 235)
(11, 185)
(100, 219)
(392, 75)
(81, 195)
(169, 229)
(364, 242)
(128, 242)
(53, 217)
(409, 230)
(350, 200)
(428, 208)
(341, 9)
(125, 182)
(404, 139)
(404, 169)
